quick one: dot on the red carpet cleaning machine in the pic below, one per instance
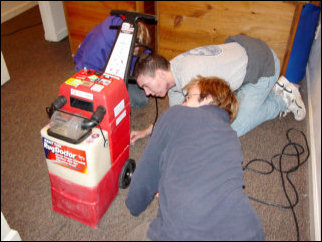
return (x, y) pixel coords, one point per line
(86, 143)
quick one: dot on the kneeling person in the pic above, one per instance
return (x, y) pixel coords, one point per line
(193, 161)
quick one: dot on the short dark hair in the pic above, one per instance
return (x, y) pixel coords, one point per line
(148, 63)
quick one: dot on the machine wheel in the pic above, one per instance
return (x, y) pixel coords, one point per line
(126, 173)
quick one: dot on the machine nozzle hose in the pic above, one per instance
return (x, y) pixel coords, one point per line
(96, 118)
(57, 104)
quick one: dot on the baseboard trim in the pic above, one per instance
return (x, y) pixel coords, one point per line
(315, 209)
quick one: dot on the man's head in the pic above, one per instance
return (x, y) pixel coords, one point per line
(153, 74)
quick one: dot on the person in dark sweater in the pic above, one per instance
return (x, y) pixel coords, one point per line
(193, 163)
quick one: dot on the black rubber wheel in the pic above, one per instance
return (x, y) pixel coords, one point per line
(126, 173)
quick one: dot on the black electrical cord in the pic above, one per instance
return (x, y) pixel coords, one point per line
(299, 150)
(105, 141)
(156, 113)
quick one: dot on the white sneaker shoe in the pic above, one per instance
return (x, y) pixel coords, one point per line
(291, 97)
(279, 85)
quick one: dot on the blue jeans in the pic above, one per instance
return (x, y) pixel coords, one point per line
(258, 102)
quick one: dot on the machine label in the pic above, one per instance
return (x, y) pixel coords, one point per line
(119, 55)
(97, 88)
(73, 82)
(127, 28)
(65, 156)
(121, 117)
(119, 107)
(82, 94)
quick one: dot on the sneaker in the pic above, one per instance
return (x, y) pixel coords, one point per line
(291, 97)
(279, 85)
(279, 89)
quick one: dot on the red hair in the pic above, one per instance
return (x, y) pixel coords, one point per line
(219, 90)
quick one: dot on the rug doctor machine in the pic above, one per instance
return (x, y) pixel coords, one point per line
(87, 151)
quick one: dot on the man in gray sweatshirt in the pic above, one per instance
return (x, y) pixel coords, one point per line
(247, 64)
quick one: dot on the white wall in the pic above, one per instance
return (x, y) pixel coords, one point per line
(313, 77)
(53, 19)
(4, 71)
(10, 9)
(8, 234)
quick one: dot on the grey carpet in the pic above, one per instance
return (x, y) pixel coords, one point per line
(37, 68)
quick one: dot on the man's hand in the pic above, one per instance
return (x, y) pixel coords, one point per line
(139, 134)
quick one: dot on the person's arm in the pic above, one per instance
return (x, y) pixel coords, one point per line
(140, 134)
(145, 180)
(176, 97)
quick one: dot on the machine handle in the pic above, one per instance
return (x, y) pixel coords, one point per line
(130, 18)
(133, 17)
(59, 102)
(96, 118)
(55, 105)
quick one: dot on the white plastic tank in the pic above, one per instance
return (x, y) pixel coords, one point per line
(85, 163)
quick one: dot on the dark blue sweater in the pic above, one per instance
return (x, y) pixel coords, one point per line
(193, 159)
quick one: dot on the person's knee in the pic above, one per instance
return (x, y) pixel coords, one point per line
(138, 98)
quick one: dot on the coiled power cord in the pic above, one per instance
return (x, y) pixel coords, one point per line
(299, 151)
